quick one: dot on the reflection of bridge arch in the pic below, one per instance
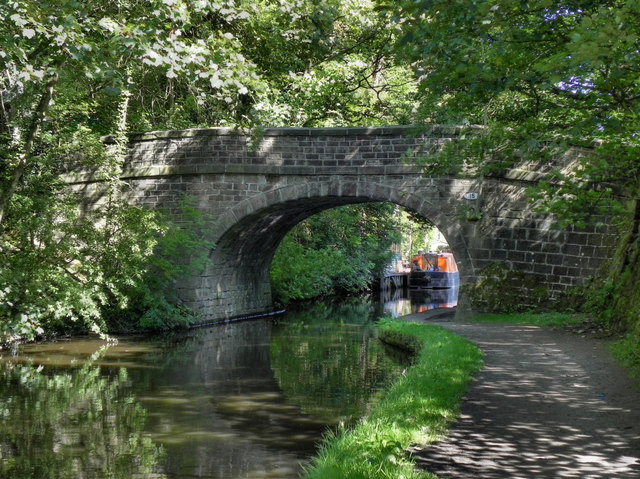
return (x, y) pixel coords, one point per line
(258, 192)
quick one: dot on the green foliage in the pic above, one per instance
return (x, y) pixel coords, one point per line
(337, 251)
(180, 249)
(598, 298)
(327, 64)
(109, 45)
(538, 78)
(411, 344)
(60, 416)
(62, 270)
(416, 410)
(298, 273)
(70, 73)
(627, 353)
(417, 233)
(469, 212)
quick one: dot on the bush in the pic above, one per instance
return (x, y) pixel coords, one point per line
(627, 353)
(337, 251)
(102, 271)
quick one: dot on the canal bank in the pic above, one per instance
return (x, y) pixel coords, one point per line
(547, 403)
(234, 400)
(417, 409)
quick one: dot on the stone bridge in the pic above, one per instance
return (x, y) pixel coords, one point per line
(257, 189)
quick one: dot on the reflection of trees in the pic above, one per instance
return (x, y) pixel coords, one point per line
(329, 361)
(79, 423)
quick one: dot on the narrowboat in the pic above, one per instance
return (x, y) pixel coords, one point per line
(434, 270)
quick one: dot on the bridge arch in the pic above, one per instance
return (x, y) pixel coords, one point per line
(248, 235)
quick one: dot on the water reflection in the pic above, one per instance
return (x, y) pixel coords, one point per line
(398, 302)
(69, 424)
(237, 400)
(330, 369)
(217, 409)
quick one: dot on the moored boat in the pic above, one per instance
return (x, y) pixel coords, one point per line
(434, 270)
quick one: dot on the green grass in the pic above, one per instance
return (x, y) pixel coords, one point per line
(417, 409)
(627, 353)
(552, 319)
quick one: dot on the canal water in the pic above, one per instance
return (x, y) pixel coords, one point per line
(246, 399)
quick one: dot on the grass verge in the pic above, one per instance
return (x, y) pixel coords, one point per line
(552, 319)
(627, 353)
(416, 410)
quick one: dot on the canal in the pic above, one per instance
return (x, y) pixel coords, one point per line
(246, 399)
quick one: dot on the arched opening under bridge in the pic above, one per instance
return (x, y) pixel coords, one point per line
(237, 282)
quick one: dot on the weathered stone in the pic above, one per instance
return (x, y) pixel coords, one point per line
(259, 188)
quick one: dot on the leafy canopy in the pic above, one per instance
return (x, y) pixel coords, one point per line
(538, 78)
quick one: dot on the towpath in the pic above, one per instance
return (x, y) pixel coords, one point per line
(548, 404)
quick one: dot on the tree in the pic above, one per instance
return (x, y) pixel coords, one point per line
(67, 76)
(538, 78)
(309, 63)
(44, 44)
(326, 63)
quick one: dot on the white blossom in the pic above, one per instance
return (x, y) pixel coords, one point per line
(60, 39)
(108, 24)
(18, 20)
(152, 58)
(216, 82)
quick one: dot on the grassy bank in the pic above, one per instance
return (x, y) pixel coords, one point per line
(416, 410)
(627, 353)
(551, 319)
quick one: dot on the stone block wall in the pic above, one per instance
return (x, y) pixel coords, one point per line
(257, 189)
(512, 233)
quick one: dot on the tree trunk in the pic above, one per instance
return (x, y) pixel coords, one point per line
(25, 158)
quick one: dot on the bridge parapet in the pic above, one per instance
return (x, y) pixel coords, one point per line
(298, 151)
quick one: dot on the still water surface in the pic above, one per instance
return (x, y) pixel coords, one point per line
(240, 400)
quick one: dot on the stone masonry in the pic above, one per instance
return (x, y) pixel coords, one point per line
(258, 188)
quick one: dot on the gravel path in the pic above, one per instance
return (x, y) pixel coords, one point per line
(547, 404)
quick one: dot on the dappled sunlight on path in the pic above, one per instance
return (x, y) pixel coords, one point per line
(548, 404)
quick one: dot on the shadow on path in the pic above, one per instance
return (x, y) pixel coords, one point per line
(547, 404)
